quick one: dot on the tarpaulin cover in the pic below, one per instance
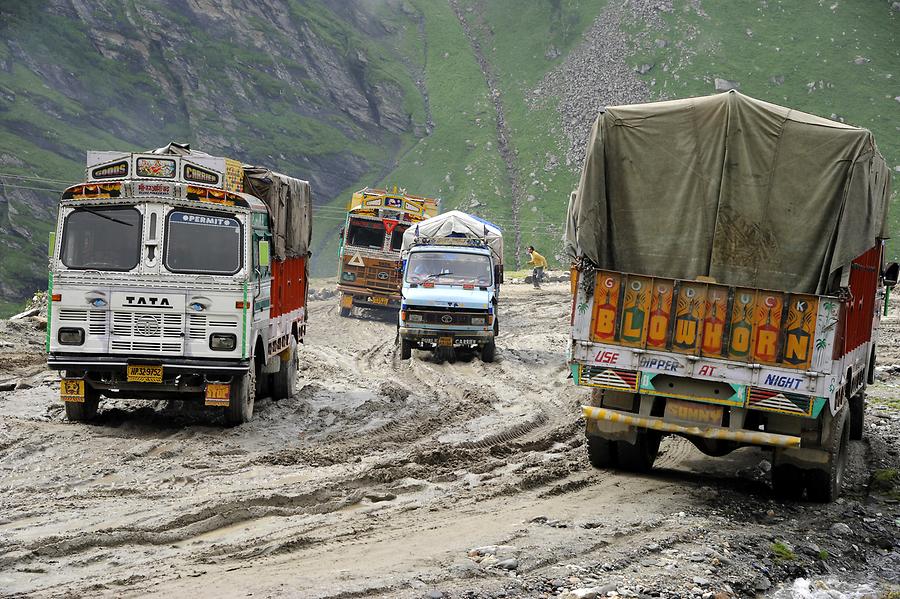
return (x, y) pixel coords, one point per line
(729, 187)
(288, 199)
(290, 205)
(456, 224)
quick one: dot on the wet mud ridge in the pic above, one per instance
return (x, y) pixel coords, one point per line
(383, 477)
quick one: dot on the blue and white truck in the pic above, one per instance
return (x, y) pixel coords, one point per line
(452, 271)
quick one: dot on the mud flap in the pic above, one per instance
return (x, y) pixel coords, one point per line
(218, 394)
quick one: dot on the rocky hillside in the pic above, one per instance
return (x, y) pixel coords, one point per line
(485, 103)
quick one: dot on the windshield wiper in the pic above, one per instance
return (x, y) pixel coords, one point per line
(101, 215)
(439, 274)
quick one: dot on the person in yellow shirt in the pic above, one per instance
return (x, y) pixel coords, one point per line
(539, 263)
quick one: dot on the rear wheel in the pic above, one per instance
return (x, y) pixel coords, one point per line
(857, 415)
(243, 395)
(405, 349)
(639, 456)
(824, 484)
(601, 452)
(285, 380)
(86, 411)
(488, 351)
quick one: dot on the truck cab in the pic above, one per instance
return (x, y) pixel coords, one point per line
(451, 291)
(166, 283)
(370, 265)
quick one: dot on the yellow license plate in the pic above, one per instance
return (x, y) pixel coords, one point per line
(697, 413)
(71, 390)
(144, 374)
(445, 342)
(217, 394)
(380, 301)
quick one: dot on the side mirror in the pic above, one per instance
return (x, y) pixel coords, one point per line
(51, 244)
(891, 274)
(264, 259)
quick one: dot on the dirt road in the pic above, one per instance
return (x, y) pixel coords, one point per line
(406, 479)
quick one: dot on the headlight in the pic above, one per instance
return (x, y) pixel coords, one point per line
(478, 320)
(222, 341)
(414, 317)
(71, 336)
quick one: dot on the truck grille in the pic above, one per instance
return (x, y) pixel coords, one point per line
(95, 319)
(147, 332)
(447, 317)
(199, 325)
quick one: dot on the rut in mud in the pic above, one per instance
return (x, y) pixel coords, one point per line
(380, 476)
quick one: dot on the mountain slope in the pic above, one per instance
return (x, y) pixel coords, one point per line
(484, 103)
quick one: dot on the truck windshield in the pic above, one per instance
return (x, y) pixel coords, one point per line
(366, 234)
(449, 268)
(203, 243)
(102, 239)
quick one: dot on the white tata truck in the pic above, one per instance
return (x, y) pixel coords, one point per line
(178, 275)
(453, 268)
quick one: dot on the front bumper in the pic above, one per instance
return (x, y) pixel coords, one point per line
(458, 338)
(116, 364)
(627, 421)
(367, 298)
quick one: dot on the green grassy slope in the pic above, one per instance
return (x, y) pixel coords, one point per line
(67, 97)
(813, 46)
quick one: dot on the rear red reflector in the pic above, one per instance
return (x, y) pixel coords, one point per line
(240, 305)
(56, 297)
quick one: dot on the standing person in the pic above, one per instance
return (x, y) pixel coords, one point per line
(539, 263)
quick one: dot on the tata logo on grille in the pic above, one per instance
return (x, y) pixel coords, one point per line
(140, 300)
(382, 276)
(146, 326)
(446, 319)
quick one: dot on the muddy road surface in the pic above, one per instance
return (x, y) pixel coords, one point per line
(410, 479)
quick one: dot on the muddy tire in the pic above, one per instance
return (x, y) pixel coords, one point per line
(405, 349)
(345, 312)
(285, 380)
(823, 485)
(638, 457)
(857, 415)
(488, 352)
(787, 482)
(87, 411)
(243, 396)
(601, 452)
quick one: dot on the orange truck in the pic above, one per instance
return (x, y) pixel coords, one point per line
(370, 265)
(728, 280)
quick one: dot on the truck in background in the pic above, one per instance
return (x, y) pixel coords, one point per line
(178, 275)
(369, 260)
(728, 277)
(453, 268)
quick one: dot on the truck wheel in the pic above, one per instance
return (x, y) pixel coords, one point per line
(639, 457)
(405, 349)
(87, 411)
(488, 351)
(857, 415)
(787, 481)
(243, 395)
(824, 484)
(601, 452)
(285, 380)
(345, 312)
